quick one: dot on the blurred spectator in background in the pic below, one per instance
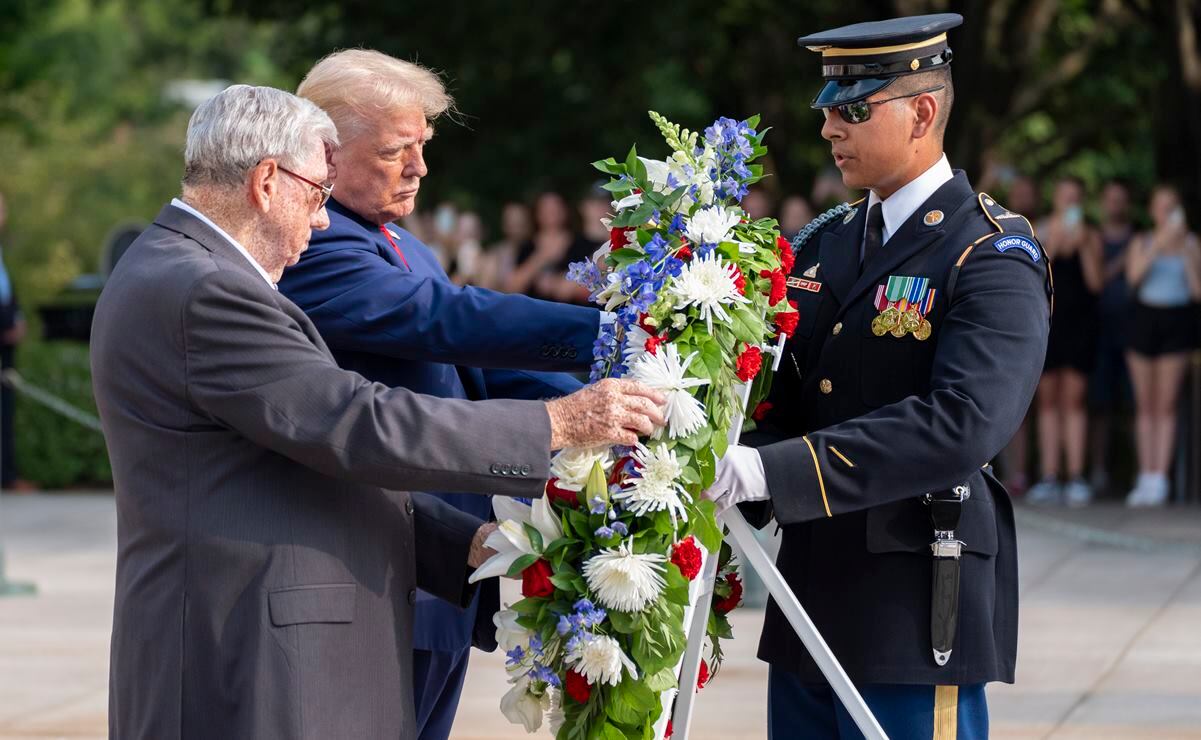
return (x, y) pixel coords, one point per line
(500, 258)
(1164, 271)
(1109, 386)
(795, 214)
(1074, 249)
(443, 236)
(542, 261)
(468, 251)
(1022, 198)
(757, 204)
(12, 331)
(829, 190)
(595, 206)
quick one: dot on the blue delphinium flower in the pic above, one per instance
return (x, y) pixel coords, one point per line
(516, 655)
(603, 533)
(597, 505)
(619, 528)
(656, 248)
(564, 625)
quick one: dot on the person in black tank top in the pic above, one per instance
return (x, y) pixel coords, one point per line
(1076, 261)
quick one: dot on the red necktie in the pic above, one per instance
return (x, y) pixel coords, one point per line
(388, 236)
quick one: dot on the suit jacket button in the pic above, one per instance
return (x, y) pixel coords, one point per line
(837, 328)
(826, 386)
(409, 508)
(571, 353)
(412, 596)
(525, 469)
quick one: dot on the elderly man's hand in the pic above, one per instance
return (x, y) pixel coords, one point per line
(480, 552)
(610, 412)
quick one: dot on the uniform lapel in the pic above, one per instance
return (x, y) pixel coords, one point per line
(915, 234)
(839, 255)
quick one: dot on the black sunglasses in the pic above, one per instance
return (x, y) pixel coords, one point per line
(861, 110)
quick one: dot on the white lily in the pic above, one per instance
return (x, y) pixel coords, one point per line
(509, 634)
(510, 540)
(630, 201)
(522, 707)
(656, 174)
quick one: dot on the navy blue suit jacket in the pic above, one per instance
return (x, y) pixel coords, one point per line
(400, 321)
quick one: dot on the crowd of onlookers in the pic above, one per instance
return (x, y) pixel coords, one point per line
(1127, 291)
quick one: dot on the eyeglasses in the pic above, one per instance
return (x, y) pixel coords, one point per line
(861, 110)
(324, 190)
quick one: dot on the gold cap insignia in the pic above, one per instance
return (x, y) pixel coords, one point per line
(933, 218)
(914, 65)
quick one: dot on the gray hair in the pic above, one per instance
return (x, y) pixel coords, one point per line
(353, 84)
(242, 125)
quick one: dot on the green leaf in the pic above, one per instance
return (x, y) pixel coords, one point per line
(610, 166)
(676, 590)
(626, 256)
(610, 732)
(534, 535)
(624, 622)
(521, 564)
(527, 607)
(564, 582)
(753, 121)
(706, 527)
(721, 443)
(632, 160)
(662, 680)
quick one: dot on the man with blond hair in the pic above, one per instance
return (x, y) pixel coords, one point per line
(387, 309)
(265, 578)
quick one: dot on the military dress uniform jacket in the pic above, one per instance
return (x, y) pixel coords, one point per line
(865, 425)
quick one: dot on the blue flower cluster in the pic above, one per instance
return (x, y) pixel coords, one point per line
(538, 670)
(584, 617)
(732, 142)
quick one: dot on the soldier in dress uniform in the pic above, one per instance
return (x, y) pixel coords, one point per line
(924, 314)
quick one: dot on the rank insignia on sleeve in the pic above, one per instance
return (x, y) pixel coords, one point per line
(903, 303)
(1026, 244)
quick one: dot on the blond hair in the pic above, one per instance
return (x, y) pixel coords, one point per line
(352, 84)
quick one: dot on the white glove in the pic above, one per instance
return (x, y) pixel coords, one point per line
(740, 478)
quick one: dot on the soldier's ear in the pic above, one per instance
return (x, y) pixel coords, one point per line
(925, 107)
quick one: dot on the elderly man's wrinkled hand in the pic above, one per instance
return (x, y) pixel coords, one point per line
(612, 411)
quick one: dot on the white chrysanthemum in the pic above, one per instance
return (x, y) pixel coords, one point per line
(555, 716)
(664, 372)
(709, 284)
(510, 539)
(712, 225)
(636, 338)
(600, 659)
(623, 579)
(522, 707)
(573, 465)
(659, 487)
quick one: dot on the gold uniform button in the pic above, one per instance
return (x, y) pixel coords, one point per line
(837, 328)
(826, 386)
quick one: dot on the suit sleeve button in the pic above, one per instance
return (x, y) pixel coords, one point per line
(412, 596)
(505, 469)
(525, 469)
(572, 353)
(495, 469)
(409, 509)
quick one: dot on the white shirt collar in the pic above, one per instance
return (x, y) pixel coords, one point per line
(899, 206)
(208, 222)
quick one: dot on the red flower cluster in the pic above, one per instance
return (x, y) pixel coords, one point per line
(748, 364)
(728, 604)
(652, 344)
(687, 556)
(577, 687)
(554, 493)
(670, 730)
(703, 677)
(787, 258)
(778, 286)
(739, 280)
(685, 252)
(761, 410)
(617, 239)
(786, 322)
(535, 580)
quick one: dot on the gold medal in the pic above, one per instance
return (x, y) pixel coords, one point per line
(922, 332)
(899, 330)
(891, 317)
(910, 320)
(879, 327)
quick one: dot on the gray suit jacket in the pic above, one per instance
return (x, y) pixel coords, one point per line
(265, 578)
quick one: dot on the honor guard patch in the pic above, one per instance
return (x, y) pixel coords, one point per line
(1020, 242)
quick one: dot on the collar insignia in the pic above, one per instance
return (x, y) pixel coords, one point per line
(933, 218)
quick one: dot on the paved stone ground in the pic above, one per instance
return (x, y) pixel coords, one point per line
(1110, 631)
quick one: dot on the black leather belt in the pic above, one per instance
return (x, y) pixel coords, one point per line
(945, 508)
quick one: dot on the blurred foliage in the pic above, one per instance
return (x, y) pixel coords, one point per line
(54, 451)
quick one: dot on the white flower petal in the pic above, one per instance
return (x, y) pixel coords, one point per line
(600, 659)
(521, 707)
(495, 566)
(624, 580)
(545, 521)
(510, 508)
(630, 201)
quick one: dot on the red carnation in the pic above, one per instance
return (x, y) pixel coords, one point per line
(577, 687)
(748, 363)
(703, 677)
(778, 287)
(787, 258)
(645, 325)
(786, 322)
(761, 410)
(554, 493)
(535, 580)
(687, 556)
(728, 604)
(617, 239)
(652, 344)
(739, 280)
(685, 252)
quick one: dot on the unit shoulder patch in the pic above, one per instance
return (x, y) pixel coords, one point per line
(1016, 241)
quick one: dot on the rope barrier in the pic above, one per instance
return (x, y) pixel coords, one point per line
(19, 384)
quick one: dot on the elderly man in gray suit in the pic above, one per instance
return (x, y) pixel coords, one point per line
(265, 577)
